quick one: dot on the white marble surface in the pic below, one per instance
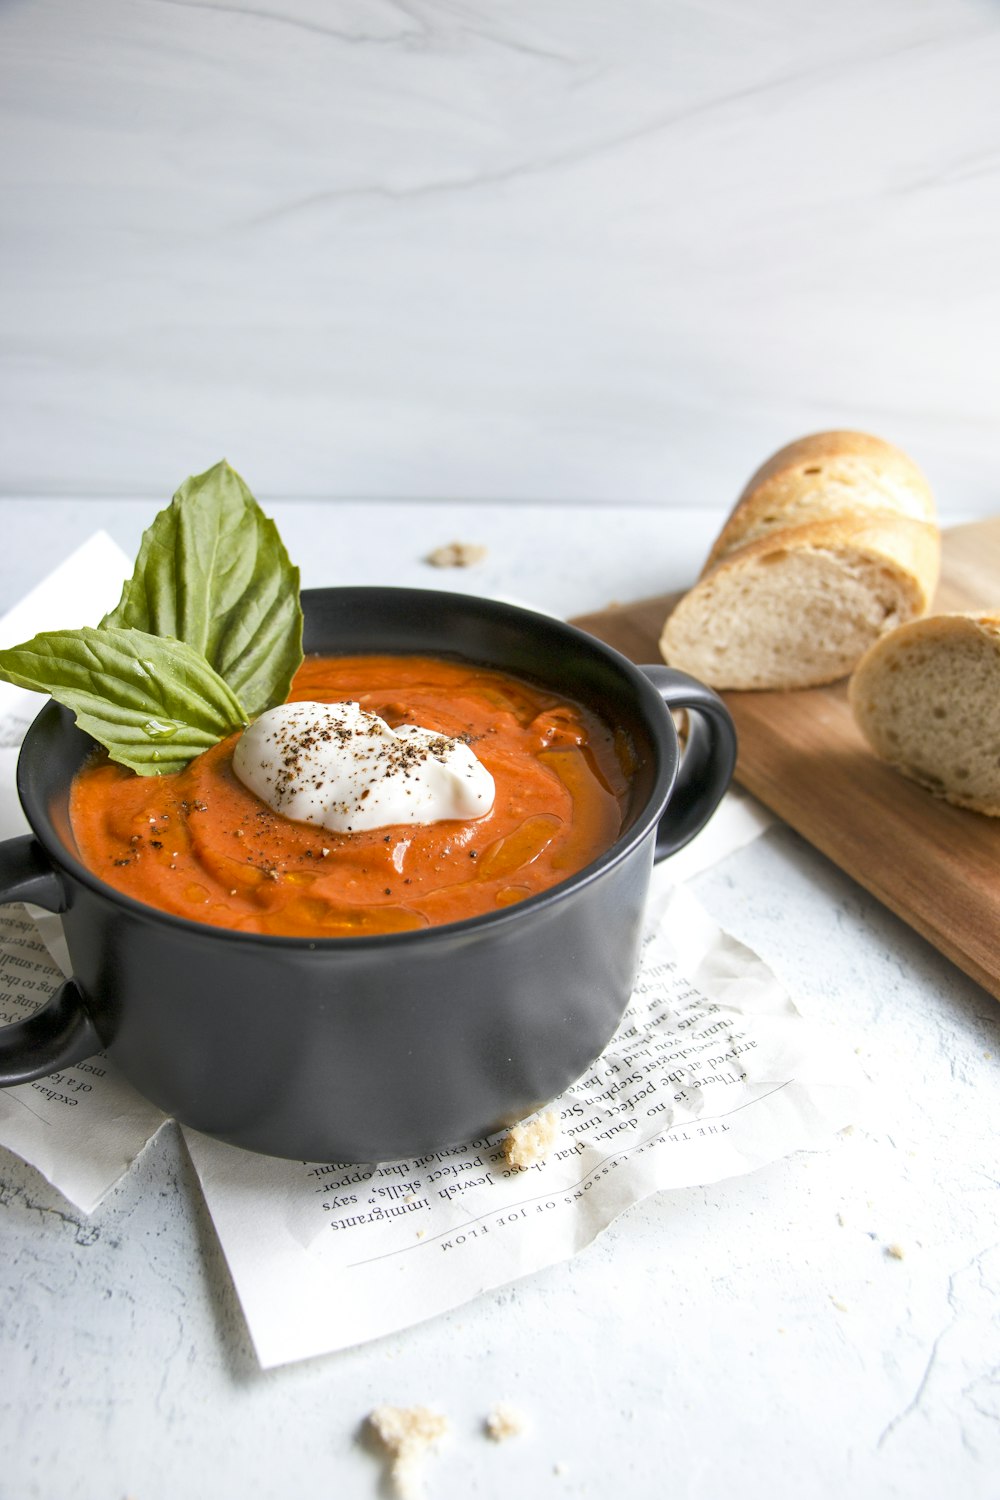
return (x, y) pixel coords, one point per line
(448, 248)
(569, 560)
(757, 1339)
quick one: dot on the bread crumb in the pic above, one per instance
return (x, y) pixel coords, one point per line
(840, 1306)
(407, 1433)
(896, 1252)
(531, 1140)
(455, 555)
(504, 1421)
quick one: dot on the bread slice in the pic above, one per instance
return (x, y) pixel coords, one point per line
(799, 607)
(821, 476)
(927, 699)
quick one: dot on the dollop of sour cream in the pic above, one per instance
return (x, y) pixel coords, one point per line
(338, 766)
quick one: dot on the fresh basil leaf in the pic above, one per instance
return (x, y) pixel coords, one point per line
(213, 572)
(153, 704)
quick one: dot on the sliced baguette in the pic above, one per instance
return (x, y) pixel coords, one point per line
(927, 700)
(800, 606)
(824, 475)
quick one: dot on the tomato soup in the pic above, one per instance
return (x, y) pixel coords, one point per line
(200, 845)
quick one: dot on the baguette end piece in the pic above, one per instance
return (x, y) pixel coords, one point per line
(927, 700)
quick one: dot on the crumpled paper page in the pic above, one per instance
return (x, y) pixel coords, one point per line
(712, 1073)
(81, 1127)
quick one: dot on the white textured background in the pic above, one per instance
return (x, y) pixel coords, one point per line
(608, 250)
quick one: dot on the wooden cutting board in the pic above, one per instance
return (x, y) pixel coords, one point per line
(934, 865)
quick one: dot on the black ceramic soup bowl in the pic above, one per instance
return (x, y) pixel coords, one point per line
(371, 1048)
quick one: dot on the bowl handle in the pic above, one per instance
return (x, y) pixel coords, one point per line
(708, 761)
(61, 1033)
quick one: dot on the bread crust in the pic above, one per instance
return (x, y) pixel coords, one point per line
(912, 547)
(818, 477)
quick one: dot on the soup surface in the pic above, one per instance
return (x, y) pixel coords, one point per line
(199, 844)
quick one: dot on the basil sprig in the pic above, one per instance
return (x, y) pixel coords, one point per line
(212, 571)
(206, 636)
(154, 703)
